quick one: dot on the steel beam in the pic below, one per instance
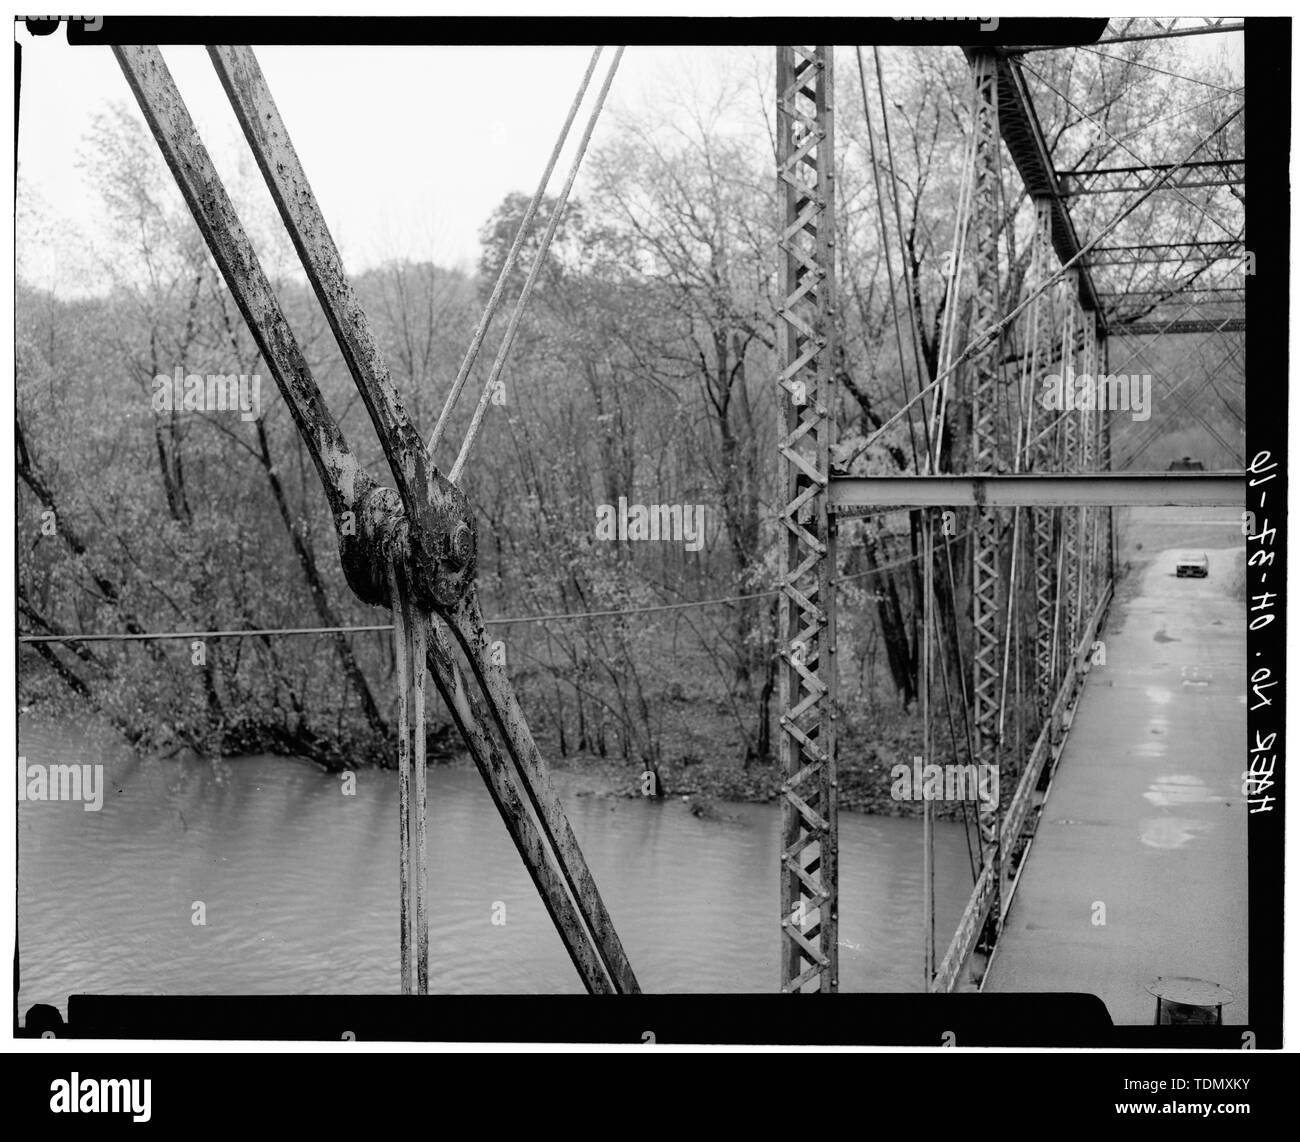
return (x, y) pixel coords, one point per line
(1029, 150)
(850, 495)
(806, 677)
(1175, 294)
(1172, 184)
(1158, 252)
(1193, 325)
(1085, 173)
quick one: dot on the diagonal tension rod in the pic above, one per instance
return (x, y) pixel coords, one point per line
(421, 531)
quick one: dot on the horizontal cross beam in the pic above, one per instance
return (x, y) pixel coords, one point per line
(1195, 325)
(1187, 176)
(1180, 252)
(856, 494)
(1198, 164)
(1174, 294)
(1134, 187)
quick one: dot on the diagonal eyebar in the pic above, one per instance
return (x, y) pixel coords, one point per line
(348, 487)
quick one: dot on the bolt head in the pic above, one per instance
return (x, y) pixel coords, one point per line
(460, 545)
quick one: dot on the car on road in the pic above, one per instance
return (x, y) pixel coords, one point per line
(1194, 564)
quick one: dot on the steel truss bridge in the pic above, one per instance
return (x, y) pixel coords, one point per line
(1037, 497)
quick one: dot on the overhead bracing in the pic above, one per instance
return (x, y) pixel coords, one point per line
(851, 495)
(1176, 294)
(1124, 180)
(1023, 137)
(1192, 325)
(1159, 252)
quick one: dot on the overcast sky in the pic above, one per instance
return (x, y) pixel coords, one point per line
(407, 148)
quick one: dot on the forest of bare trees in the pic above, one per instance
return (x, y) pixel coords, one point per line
(644, 370)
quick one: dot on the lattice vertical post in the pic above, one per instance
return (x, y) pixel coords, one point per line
(1087, 462)
(1104, 463)
(1069, 535)
(1041, 457)
(984, 391)
(805, 347)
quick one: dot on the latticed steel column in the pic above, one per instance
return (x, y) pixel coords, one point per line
(1068, 585)
(805, 347)
(1087, 462)
(984, 377)
(1042, 456)
(1107, 555)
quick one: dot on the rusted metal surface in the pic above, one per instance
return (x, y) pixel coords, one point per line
(347, 486)
(401, 647)
(414, 546)
(498, 775)
(466, 623)
(410, 624)
(416, 633)
(442, 534)
(968, 931)
(440, 529)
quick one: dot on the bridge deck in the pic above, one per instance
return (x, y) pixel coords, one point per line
(1146, 815)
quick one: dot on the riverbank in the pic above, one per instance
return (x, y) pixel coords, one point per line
(865, 784)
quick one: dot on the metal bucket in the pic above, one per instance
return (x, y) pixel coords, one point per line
(1182, 1000)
